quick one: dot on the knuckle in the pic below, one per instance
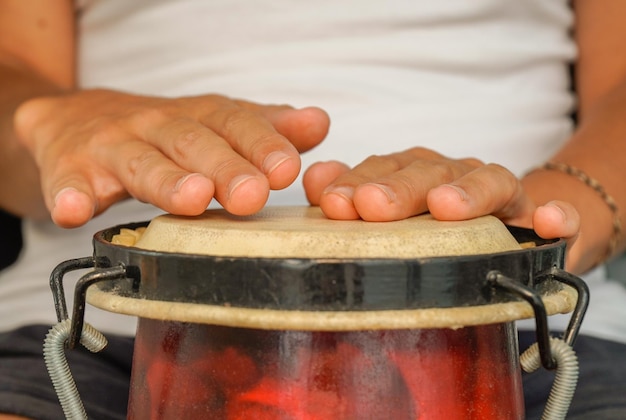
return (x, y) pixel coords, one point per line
(411, 187)
(503, 183)
(225, 167)
(154, 115)
(265, 143)
(188, 142)
(62, 169)
(501, 172)
(232, 119)
(419, 152)
(141, 163)
(443, 171)
(64, 162)
(217, 100)
(26, 119)
(104, 131)
(472, 162)
(388, 162)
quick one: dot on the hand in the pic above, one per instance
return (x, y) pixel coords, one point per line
(96, 147)
(400, 185)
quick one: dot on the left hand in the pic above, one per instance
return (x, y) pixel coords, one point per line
(96, 147)
(418, 180)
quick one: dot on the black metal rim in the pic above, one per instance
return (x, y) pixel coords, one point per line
(328, 284)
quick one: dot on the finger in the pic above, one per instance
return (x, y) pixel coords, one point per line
(399, 192)
(28, 116)
(72, 207)
(255, 139)
(489, 189)
(70, 192)
(66, 189)
(151, 177)
(391, 187)
(304, 127)
(337, 199)
(318, 176)
(239, 186)
(556, 219)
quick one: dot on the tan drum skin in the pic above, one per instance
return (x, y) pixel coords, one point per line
(304, 232)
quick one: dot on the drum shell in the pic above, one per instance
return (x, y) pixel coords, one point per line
(188, 370)
(450, 372)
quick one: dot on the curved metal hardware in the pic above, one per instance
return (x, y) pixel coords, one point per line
(80, 295)
(80, 292)
(56, 282)
(541, 317)
(581, 303)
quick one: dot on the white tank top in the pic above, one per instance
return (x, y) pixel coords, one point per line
(486, 78)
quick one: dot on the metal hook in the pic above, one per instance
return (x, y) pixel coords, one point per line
(541, 317)
(56, 282)
(80, 295)
(80, 291)
(582, 301)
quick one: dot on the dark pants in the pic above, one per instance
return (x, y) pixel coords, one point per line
(601, 391)
(103, 379)
(25, 387)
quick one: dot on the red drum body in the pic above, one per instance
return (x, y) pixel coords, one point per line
(288, 315)
(185, 370)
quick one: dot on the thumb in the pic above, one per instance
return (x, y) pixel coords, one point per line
(558, 219)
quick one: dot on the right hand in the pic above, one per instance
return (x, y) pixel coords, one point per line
(96, 147)
(400, 185)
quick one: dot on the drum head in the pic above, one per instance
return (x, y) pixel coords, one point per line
(284, 263)
(304, 232)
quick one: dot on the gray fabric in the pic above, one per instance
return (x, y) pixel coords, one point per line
(26, 389)
(103, 379)
(601, 391)
(616, 269)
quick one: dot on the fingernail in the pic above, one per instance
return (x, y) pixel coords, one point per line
(273, 161)
(341, 190)
(552, 205)
(181, 182)
(236, 182)
(71, 198)
(391, 195)
(460, 191)
(63, 192)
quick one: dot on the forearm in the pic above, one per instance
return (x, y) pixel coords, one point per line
(598, 148)
(20, 191)
(37, 57)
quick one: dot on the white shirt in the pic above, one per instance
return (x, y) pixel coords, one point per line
(486, 78)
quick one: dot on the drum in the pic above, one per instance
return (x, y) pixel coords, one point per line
(289, 315)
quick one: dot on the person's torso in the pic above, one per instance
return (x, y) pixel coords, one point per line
(486, 78)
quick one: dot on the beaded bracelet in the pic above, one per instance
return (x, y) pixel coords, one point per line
(597, 187)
